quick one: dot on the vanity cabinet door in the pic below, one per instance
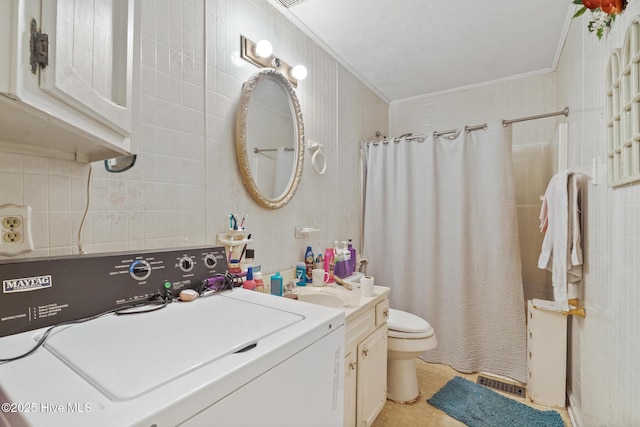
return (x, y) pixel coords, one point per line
(78, 105)
(350, 387)
(372, 376)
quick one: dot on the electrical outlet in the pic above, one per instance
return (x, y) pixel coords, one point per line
(15, 229)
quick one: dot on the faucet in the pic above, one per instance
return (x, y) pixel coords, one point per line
(362, 268)
(290, 287)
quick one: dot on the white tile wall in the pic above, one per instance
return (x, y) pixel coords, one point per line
(604, 375)
(186, 181)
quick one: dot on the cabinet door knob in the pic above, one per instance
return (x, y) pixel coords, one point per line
(385, 313)
(365, 352)
(352, 366)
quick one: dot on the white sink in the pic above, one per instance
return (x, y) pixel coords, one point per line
(325, 299)
(354, 279)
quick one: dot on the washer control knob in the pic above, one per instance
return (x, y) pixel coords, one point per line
(186, 264)
(210, 260)
(140, 269)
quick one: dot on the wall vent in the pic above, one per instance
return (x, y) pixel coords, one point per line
(289, 3)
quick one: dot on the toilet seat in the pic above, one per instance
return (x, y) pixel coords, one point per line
(406, 325)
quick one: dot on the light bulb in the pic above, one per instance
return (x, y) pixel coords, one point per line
(263, 49)
(299, 72)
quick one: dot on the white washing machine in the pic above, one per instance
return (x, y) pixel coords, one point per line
(238, 358)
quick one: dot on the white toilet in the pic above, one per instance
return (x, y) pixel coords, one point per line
(409, 336)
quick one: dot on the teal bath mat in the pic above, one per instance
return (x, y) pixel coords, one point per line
(477, 406)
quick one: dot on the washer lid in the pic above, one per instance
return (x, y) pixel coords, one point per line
(127, 356)
(406, 322)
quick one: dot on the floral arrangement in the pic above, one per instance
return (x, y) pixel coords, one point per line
(603, 13)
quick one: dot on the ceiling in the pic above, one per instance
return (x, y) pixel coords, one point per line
(407, 48)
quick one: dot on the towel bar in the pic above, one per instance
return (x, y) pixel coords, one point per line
(577, 311)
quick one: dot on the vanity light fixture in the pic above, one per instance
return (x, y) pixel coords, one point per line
(299, 72)
(263, 49)
(260, 55)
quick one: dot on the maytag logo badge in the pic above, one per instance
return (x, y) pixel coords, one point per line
(26, 284)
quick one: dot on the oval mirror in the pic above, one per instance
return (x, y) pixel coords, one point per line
(270, 138)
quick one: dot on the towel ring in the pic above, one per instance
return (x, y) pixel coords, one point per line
(318, 160)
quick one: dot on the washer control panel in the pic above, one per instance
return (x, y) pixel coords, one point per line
(40, 292)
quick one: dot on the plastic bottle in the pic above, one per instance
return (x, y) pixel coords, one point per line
(319, 259)
(249, 283)
(276, 284)
(339, 269)
(329, 263)
(308, 260)
(352, 251)
(347, 259)
(301, 274)
(345, 251)
(257, 276)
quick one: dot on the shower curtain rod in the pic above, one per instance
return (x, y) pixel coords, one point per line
(436, 134)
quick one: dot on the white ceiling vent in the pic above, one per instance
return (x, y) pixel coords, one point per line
(289, 3)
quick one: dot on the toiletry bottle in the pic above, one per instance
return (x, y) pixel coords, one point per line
(319, 259)
(249, 283)
(276, 284)
(352, 251)
(345, 251)
(347, 259)
(329, 265)
(339, 266)
(301, 274)
(308, 260)
(257, 276)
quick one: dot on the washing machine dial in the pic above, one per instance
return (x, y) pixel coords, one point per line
(210, 260)
(140, 269)
(186, 264)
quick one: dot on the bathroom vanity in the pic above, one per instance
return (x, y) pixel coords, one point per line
(365, 365)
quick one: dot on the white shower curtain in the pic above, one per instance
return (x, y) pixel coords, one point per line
(440, 229)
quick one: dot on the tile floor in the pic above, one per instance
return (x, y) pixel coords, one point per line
(431, 377)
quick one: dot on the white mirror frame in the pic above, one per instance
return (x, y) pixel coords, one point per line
(241, 139)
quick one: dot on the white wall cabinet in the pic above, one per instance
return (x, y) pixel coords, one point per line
(77, 106)
(366, 364)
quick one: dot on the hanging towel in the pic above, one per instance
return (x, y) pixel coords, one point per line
(544, 215)
(561, 248)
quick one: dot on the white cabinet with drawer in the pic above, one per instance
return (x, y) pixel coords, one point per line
(65, 78)
(366, 361)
